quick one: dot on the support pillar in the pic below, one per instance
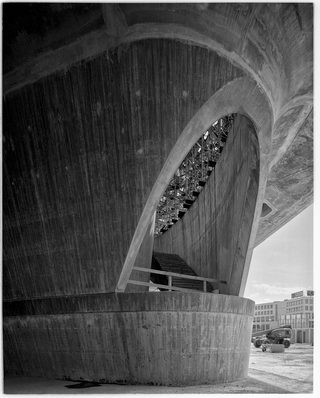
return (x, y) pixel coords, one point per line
(167, 338)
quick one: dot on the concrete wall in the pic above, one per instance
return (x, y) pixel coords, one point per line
(271, 43)
(82, 151)
(213, 235)
(144, 260)
(76, 178)
(160, 338)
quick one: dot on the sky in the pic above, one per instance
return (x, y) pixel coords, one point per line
(283, 263)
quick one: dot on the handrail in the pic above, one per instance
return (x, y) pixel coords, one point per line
(170, 275)
(167, 287)
(200, 278)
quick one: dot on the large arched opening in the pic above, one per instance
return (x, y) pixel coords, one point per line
(228, 100)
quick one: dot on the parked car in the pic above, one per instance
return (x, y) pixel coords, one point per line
(281, 335)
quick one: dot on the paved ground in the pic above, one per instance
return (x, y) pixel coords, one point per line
(269, 373)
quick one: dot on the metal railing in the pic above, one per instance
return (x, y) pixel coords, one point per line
(174, 274)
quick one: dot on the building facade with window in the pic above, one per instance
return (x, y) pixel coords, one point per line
(297, 312)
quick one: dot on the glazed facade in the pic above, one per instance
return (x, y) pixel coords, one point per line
(297, 312)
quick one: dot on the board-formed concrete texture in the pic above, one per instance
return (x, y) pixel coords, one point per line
(213, 235)
(174, 331)
(101, 104)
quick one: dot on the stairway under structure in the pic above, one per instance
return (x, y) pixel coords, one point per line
(174, 263)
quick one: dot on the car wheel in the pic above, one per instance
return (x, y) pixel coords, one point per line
(257, 343)
(286, 343)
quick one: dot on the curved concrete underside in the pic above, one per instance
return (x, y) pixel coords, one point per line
(272, 43)
(132, 338)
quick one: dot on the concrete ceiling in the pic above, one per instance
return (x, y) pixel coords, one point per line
(270, 43)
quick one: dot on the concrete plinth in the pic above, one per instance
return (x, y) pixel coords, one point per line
(277, 348)
(167, 338)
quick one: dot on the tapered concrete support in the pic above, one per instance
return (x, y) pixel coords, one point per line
(144, 260)
(162, 338)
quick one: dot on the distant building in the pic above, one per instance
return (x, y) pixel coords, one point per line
(297, 312)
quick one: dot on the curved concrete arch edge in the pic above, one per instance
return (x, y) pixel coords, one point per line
(239, 96)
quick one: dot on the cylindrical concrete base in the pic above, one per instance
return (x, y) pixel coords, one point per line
(166, 338)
